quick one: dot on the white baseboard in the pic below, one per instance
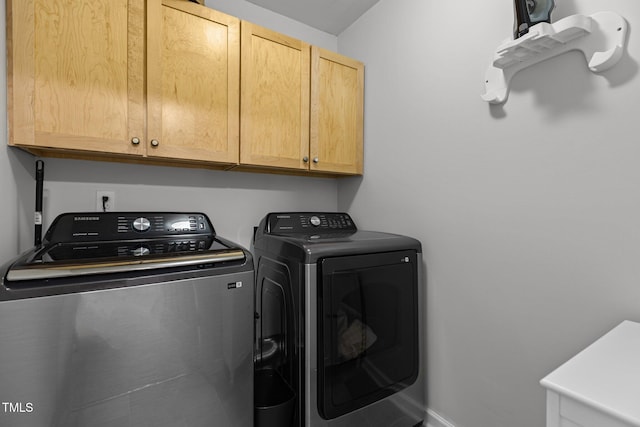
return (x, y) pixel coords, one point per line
(436, 420)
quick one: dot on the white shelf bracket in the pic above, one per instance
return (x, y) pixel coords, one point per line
(600, 37)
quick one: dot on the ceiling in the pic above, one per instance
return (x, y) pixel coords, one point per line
(331, 16)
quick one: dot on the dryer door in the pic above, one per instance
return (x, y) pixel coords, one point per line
(367, 329)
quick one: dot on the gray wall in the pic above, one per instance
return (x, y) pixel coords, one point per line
(234, 201)
(258, 15)
(529, 213)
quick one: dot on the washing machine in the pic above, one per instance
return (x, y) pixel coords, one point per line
(339, 326)
(128, 319)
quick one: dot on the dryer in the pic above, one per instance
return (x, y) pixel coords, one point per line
(339, 319)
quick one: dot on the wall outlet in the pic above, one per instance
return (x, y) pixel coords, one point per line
(105, 201)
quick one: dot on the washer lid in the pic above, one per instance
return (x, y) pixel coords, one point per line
(20, 272)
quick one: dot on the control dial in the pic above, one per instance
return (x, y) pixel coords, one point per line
(141, 224)
(141, 251)
(315, 221)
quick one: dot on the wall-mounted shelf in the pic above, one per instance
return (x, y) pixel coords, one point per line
(600, 37)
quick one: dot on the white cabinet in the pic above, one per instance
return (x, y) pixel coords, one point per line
(600, 386)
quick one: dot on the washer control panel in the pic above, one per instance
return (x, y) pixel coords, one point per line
(107, 226)
(309, 222)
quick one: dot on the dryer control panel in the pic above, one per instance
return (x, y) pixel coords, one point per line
(309, 222)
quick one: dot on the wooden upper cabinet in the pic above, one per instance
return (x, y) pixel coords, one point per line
(337, 119)
(78, 71)
(301, 107)
(274, 99)
(177, 83)
(76, 74)
(193, 82)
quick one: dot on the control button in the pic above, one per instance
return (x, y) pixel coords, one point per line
(141, 224)
(315, 221)
(141, 251)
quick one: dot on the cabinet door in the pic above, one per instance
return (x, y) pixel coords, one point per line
(193, 82)
(337, 98)
(274, 99)
(75, 74)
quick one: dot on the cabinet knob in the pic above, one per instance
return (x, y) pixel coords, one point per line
(316, 160)
(155, 142)
(305, 159)
(135, 140)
